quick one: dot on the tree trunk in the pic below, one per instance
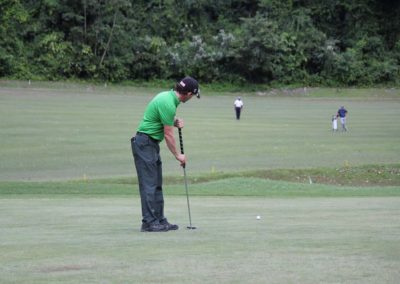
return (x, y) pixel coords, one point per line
(85, 20)
(109, 39)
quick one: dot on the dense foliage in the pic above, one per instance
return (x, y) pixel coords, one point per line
(336, 42)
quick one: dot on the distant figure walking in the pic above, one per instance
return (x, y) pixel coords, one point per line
(334, 123)
(238, 107)
(342, 113)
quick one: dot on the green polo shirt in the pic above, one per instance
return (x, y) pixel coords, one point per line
(159, 112)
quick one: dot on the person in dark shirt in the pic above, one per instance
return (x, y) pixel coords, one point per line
(342, 113)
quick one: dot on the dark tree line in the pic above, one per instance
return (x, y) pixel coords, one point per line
(335, 42)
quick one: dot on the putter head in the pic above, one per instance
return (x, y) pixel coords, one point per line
(191, 227)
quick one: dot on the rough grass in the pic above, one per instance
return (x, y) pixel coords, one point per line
(356, 181)
(368, 175)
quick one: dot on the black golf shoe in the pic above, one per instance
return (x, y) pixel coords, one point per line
(153, 228)
(170, 227)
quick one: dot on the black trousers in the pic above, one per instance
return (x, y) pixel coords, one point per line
(238, 110)
(146, 153)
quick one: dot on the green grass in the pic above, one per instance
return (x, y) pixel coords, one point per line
(284, 183)
(238, 186)
(59, 134)
(329, 203)
(96, 240)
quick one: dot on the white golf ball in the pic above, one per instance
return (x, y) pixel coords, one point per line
(258, 217)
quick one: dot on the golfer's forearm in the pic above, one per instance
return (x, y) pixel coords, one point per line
(170, 140)
(172, 146)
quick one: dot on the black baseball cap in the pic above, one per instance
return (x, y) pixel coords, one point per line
(188, 85)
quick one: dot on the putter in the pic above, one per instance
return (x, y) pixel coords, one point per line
(190, 227)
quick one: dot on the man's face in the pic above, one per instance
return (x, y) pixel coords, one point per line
(187, 97)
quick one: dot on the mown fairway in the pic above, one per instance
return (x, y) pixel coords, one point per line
(72, 132)
(70, 213)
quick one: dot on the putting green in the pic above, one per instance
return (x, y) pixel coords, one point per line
(302, 240)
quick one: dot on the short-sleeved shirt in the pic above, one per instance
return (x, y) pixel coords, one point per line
(342, 112)
(159, 112)
(238, 103)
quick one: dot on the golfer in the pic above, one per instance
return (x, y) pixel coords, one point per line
(342, 113)
(238, 104)
(158, 123)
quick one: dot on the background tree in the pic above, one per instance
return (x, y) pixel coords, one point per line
(338, 42)
(13, 17)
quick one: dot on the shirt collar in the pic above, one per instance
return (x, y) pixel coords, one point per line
(176, 99)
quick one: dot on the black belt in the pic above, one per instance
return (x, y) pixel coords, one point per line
(151, 138)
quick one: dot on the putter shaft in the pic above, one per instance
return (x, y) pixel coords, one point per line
(187, 198)
(185, 178)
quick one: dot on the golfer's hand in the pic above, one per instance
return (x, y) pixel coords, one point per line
(182, 159)
(178, 123)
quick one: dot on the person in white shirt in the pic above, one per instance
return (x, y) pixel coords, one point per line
(238, 104)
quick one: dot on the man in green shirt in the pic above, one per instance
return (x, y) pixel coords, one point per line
(158, 124)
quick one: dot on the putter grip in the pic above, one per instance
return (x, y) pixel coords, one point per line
(181, 140)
